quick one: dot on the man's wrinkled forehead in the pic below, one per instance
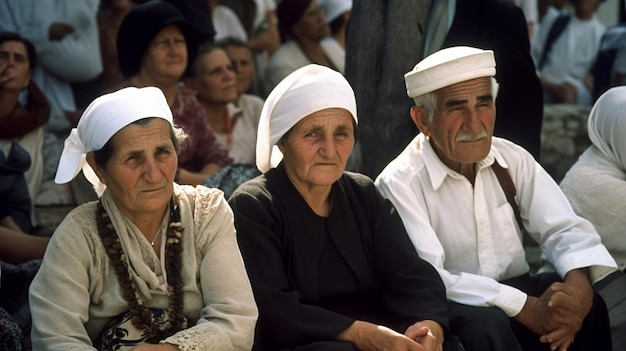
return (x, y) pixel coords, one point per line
(471, 91)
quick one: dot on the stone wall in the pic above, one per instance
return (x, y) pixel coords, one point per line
(563, 137)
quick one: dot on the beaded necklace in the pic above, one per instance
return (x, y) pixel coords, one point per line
(142, 317)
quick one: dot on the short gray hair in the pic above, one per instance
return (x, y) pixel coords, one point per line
(428, 101)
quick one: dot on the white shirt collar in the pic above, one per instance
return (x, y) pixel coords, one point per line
(438, 171)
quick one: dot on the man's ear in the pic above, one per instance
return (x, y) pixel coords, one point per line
(91, 160)
(420, 118)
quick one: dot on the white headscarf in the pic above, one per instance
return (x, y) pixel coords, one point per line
(607, 126)
(335, 8)
(104, 117)
(307, 90)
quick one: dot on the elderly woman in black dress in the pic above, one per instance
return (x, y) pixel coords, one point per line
(330, 263)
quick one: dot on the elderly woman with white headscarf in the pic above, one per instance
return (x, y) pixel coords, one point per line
(150, 263)
(596, 184)
(596, 187)
(330, 263)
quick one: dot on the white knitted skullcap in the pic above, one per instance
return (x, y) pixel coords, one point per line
(307, 90)
(104, 117)
(449, 66)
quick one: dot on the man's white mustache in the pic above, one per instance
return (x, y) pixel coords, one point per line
(471, 136)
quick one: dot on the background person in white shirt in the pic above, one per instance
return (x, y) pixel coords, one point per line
(458, 218)
(565, 67)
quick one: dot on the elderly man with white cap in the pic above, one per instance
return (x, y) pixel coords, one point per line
(330, 263)
(466, 198)
(151, 264)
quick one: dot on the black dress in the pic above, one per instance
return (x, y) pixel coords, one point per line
(314, 276)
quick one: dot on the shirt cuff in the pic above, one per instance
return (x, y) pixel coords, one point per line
(510, 300)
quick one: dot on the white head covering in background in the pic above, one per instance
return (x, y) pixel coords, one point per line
(335, 8)
(104, 117)
(449, 66)
(607, 126)
(307, 90)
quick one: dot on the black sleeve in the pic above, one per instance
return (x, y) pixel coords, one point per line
(284, 320)
(412, 289)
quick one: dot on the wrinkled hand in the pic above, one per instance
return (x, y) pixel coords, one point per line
(564, 322)
(572, 300)
(558, 314)
(370, 337)
(534, 314)
(384, 338)
(58, 31)
(429, 334)
(560, 339)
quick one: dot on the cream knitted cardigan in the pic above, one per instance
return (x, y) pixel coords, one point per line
(76, 291)
(596, 188)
